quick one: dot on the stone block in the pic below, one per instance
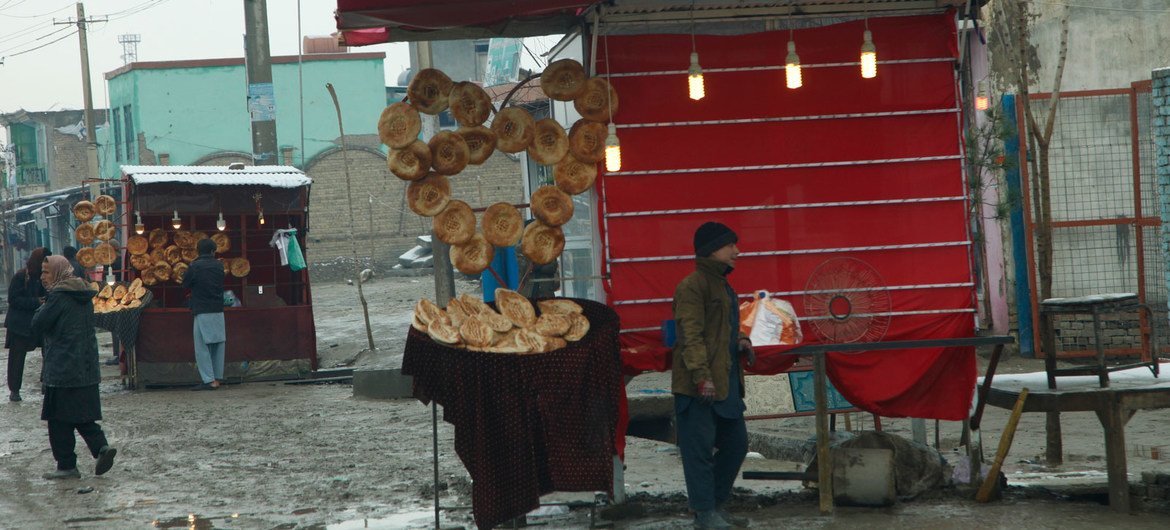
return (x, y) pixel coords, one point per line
(863, 477)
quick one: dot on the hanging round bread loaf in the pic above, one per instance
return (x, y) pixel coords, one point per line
(429, 90)
(161, 271)
(84, 233)
(158, 238)
(598, 102)
(399, 125)
(549, 142)
(542, 243)
(189, 255)
(449, 153)
(148, 277)
(429, 195)
(184, 239)
(573, 176)
(104, 230)
(470, 105)
(563, 80)
(410, 162)
(137, 245)
(551, 206)
(473, 256)
(455, 224)
(502, 224)
(173, 254)
(241, 267)
(141, 261)
(587, 141)
(84, 211)
(105, 205)
(223, 243)
(514, 129)
(86, 258)
(481, 142)
(178, 271)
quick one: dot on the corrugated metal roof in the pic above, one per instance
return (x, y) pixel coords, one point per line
(274, 176)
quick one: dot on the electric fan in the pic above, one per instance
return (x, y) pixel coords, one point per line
(845, 300)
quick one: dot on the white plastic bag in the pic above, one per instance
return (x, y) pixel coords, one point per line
(769, 321)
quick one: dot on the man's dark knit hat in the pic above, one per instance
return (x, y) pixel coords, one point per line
(205, 246)
(712, 236)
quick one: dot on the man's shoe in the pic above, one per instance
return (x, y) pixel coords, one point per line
(710, 520)
(736, 521)
(105, 460)
(62, 473)
(14, 396)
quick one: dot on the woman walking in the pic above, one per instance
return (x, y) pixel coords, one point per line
(71, 373)
(25, 295)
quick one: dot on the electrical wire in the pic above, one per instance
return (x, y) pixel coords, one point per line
(24, 32)
(59, 39)
(46, 13)
(42, 37)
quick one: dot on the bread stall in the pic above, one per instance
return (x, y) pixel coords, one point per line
(257, 217)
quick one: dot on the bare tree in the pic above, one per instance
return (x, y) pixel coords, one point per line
(1015, 61)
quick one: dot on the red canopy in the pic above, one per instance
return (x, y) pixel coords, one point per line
(365, 22)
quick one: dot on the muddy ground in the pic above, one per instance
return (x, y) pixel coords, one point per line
(274, 455)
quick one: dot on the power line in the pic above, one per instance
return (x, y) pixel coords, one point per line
(47, 13)
(23, 32)
(42, 37)
(58, 39)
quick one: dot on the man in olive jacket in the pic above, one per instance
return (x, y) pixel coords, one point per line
(707, 381)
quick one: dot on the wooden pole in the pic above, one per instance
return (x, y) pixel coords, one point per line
(1005, 443)
(824, 464)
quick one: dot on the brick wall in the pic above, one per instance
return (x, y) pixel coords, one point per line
(395, 226)
(67, 159)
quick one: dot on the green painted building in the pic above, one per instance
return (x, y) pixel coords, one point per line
(195, 112)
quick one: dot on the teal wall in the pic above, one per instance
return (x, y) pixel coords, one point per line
(192, 112)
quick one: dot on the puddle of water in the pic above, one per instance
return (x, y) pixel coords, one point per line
(192, 522)
(400, 521)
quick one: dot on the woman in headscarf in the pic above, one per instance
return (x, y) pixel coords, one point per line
(25, 295)
(71, 373)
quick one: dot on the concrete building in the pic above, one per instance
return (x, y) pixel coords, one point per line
(45, 165)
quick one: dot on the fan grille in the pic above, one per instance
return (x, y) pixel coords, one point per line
(846, 300)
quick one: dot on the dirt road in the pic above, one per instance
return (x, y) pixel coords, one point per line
(271, 455)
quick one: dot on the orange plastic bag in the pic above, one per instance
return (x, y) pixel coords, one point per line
(769, 321)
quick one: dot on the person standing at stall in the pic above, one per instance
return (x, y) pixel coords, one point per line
(205, 280)
(706, 378)
(71, 374)
(25, 295)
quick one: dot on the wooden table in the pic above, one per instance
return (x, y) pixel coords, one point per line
(1129, 391)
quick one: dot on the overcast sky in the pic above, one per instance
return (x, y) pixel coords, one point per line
(39, 74)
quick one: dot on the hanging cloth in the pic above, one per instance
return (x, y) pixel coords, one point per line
(285, 242)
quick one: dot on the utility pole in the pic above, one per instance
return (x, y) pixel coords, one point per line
(261, 96)
(91, 151)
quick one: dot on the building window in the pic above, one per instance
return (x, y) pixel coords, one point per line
(126, 114)
(117, 120)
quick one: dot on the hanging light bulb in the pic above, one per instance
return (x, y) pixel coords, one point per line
(221, 225)
(261, 216)
(792, 66)
(868, 56)
(695, 72)
(695, 78)
(110, 276)
(139, 228)
(613, 150)
(175, 221)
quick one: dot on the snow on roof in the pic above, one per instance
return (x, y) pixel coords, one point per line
(275, 176)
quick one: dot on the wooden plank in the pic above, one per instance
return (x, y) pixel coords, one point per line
(1113, 419)
(1005, 443)
(824, 462)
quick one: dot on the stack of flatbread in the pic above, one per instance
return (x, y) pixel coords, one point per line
(118, 297)
(516, 328)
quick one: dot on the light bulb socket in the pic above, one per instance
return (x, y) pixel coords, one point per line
(139, 228)
(695, 69)
(611, 139)
(867, 43)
